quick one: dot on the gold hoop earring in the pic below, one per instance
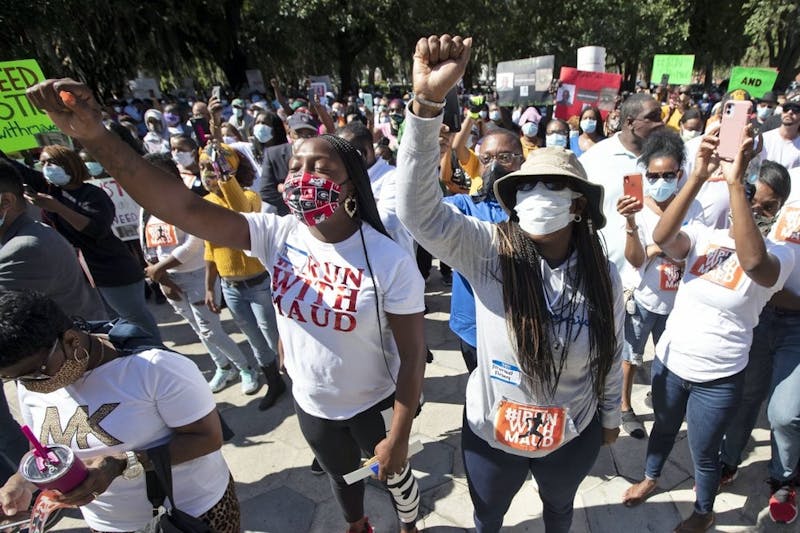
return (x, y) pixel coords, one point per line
(75, 356)
(351, 206)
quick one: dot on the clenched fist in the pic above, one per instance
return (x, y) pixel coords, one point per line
(439, 62)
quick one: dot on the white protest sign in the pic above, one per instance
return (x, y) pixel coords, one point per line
(126, 220)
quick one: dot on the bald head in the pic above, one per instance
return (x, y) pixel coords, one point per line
(200, 109)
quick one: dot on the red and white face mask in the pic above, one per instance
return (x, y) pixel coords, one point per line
(311, 198)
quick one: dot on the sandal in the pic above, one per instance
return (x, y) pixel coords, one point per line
(639, 492)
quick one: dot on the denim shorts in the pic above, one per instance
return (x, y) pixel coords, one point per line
(638, 327)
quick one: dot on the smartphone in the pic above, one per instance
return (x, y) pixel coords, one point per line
(216, 92)
(632, 186)
(664, 80)
(452, 111)
(201, 129)
(735, 116)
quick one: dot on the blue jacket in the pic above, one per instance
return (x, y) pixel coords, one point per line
(462, 302)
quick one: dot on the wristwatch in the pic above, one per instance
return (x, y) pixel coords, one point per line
(134, 468)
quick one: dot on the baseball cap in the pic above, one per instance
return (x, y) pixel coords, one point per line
(298, 121)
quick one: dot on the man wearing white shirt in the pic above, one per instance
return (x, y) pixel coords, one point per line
(782, 145)
(609, 160)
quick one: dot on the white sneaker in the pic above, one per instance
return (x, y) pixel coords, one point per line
(221, 378)
(250, 384)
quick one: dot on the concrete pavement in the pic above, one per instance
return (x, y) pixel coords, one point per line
(269, 460)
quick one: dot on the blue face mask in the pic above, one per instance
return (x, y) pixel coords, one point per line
(530, 129)
(262, 132)
(94, 168)
(556, 139)
(662, 189)
(588, 125)
(56, 175)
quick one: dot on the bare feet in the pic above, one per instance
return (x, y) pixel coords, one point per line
(639, 492)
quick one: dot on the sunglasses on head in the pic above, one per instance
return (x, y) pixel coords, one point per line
(667, 176)
(550, 185)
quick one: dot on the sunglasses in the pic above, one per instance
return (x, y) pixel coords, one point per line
(504, 158)
(36, 375)
(791, 107)
(549, 185)
(652, 177)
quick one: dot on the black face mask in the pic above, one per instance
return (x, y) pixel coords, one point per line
(489, 176)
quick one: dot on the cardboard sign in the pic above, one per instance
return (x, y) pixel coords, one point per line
(525, 82)
(126, 220)
(580, 89)
(20, 122)
(754, 80)
(679, 68)
(144, 88)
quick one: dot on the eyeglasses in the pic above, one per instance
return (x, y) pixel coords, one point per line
(37, 375)
(504, 158)
(791, 108)
(550, 185)
(652, 177)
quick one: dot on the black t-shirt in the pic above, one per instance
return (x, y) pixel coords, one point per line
(109, 260)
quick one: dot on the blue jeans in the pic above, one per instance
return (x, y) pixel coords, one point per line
(495, 476)
(638, 328)
(13, 443)
(127, 302)
(204, 322)
(252, 311)
(708, 408)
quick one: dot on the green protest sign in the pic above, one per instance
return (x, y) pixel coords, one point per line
(20, 122)
(754, 80)
(678, 68)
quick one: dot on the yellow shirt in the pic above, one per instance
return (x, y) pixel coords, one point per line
(528, 146)
(232, 263)
(472, 166)
(673, 121)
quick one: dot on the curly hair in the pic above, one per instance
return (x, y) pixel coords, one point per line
(29, 322)
(663, 143)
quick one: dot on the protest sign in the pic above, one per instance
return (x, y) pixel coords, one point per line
(144, 88)
(126, 220)
(20, 122)
(255, 80)
(525, 81)
(580, 89)
(754, 80)
(679, 68)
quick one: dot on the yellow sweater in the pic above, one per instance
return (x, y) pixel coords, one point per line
(232, 263)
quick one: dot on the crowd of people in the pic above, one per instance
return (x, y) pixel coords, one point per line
(315, 220)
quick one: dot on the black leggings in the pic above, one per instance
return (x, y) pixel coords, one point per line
(338, 445)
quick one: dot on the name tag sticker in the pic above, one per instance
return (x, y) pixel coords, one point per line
(505, 372)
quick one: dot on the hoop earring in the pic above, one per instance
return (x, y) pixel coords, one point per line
(75, 356)
(577, 218)
(351, 206)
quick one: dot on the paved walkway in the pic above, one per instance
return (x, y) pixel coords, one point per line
(269, 459)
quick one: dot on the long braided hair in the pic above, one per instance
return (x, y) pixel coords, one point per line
(530, 319)
(357, 171)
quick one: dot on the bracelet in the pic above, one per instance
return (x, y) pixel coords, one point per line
(429, 103)
(631, 231)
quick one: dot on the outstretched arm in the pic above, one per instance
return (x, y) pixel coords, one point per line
(73, 108)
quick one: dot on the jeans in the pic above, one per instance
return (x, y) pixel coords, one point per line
(708, 408)
(252, 311)
(495, 476)
(638, 328)
(206, 324)
(13, 443)
(128, 303)
(783, 409)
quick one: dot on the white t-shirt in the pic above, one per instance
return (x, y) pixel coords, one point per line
(376, 172)
(130, 403)
(162, 240)
(778, 149)
(787, 231)
(387, 209)
(327, 311)
(660, 275)
(710, 328)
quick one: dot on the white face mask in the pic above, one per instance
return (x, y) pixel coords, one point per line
(555, 139)
(184, 159)
(227, 139)
(542, 211)
(688, 135)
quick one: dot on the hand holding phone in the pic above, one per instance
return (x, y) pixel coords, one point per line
(735, 116)
(216, 92)
(632, 186)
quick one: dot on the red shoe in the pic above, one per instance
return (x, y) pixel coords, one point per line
(364, 527)
(782, 502)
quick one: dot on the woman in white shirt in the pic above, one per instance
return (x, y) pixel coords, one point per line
(698, 371)
(349, 301)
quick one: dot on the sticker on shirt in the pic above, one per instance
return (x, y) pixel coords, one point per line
(160, 234)
(788, 227)
(529, 428)
(670, 275)
(719, 265)
(505, 372)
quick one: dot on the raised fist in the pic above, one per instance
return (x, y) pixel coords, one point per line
(439, 62)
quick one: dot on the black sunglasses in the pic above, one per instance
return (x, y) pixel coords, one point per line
(791, 106)
(549, 185)
(668, 176)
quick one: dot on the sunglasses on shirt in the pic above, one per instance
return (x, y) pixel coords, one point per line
(652, 177)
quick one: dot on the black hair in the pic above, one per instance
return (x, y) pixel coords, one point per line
(691, 114)
(29, 322)
(663, 143)
(509, 135)
(357, 172)
(278, 129)
(357, 133)
(164, 161)
(126, 135)
(553, 119)
(180, 137)
(777, 178)
(632, 106)
(10, 179)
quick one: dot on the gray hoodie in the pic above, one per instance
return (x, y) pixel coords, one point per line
(501, 407)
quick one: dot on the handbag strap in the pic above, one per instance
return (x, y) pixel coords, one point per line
(159, 484)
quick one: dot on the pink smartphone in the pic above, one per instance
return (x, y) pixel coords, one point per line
(735, 116)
